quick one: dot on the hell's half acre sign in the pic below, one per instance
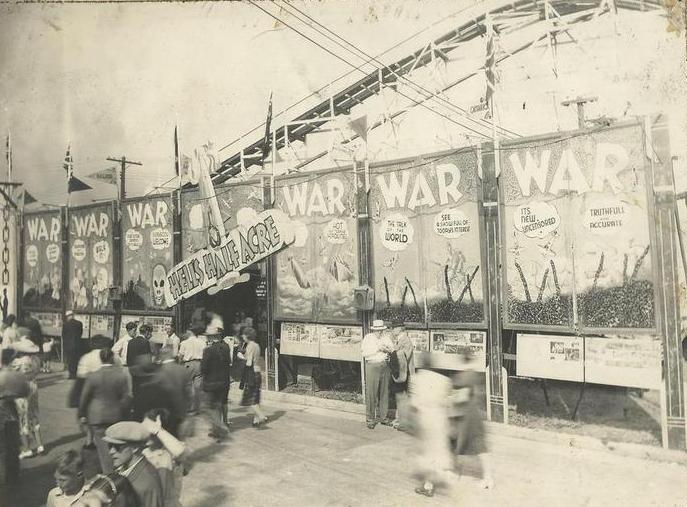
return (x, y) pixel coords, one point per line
(256, 237)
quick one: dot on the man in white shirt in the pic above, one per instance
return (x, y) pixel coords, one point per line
(375, 348)
(120, 348)
(90, 361)
(190, 355)
(171, 345)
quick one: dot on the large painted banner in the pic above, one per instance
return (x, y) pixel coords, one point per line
(147, 252)
(426, 241)
(575, 213)
(90, 258)
(317, 274)
(42, 261)
(230, 199)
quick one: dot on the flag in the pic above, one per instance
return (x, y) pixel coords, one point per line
(359, 126)
(27, 198)
(266, 141)
(9, 157)
(180, 168)
(108, 175)
(490, 64)
(74, 184)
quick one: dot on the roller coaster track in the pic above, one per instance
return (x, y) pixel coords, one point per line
(370, 85)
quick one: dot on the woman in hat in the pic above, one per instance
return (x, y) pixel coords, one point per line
(28, 363)
(253, 378)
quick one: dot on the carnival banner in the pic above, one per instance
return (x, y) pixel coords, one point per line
(147, 252)
(583, 196)
(90, 258)
(230, 199)
(425, 230)
(317, 274)
(42, 260)
(256, 237)
(299, 339)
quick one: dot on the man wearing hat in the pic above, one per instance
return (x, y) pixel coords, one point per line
(376, 347)
(72, 330)
(126, 441)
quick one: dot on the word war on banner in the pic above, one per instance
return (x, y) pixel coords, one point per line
(256, 237)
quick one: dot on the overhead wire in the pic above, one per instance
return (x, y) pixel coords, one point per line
(432, 96)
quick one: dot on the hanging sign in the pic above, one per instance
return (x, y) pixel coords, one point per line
(258, 236)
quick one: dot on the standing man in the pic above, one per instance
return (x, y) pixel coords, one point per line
(190, 356)
(138, 349)
(216, 369)
(376, 347)
(121, 348)
(127, 440)
(400, 380)
(171, 345)
(72, 330)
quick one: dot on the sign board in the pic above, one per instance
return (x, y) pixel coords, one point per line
(447, 347)
(552, 357)
(51, 323)
(159, 324)
(42, 261)
(86, 321)
(623, 361)
(102, 324)
(257, 237)
(340, 342)
(299, 339)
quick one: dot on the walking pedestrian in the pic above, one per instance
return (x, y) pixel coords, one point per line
(91, 362)
(376, 347)
(127, 440)
(69, 479)
(178, 381)
(216, 370)
(172, 342)
(400, 379)
(121, 347)
(105, 400)
(13, 385)
(72, 330)
(253, 376)
(26, 361)
(191, 355)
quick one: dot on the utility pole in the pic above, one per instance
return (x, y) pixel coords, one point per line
(580, 101)
(122, 174)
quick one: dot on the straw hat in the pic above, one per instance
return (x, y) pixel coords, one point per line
(378, 325)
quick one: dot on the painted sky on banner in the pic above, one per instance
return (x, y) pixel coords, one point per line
(425, 229)
(90, 258)
(316, 275)
(42, 261)
(587, 195)
(147, 252)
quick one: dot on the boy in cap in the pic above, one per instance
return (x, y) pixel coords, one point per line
(127, 440)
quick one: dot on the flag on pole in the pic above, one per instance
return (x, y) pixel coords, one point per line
(27, 198)
(266, 140)
(108, 175)
(74, 184)
(359, 126)
(490, 64)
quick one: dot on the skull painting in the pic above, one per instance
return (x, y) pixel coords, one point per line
(159, 275)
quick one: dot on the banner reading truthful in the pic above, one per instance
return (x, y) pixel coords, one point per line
(147, 252)
(90, 258)
(425, 230)
(585, 197)
(42, 260)
(230, 199)
(317, 274)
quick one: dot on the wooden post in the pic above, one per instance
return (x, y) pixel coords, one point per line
(270, 272)
(497, 407)
(177, 253)
(667, 290)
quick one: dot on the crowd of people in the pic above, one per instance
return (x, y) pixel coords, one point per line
(439, 407)
(136, 400)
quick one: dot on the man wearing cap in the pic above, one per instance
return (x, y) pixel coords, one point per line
(126, 441)
(121, 348)
(72, 330)
(376, 346)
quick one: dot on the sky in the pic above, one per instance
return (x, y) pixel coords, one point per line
(113, 80)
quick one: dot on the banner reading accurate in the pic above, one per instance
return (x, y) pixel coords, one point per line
(256, 239)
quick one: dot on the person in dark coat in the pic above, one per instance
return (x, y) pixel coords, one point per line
(105, 400)
(36, 336)
(216, 370)
(138, 350)
(72, 330)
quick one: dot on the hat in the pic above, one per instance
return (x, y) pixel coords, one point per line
(125, 432)
(69, 313)
(378, 325)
